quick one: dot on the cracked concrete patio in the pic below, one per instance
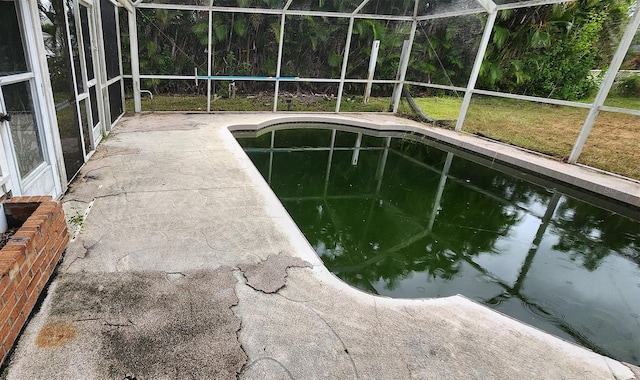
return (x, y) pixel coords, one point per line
(187, 266)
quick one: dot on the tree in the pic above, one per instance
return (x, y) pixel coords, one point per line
(549, 50)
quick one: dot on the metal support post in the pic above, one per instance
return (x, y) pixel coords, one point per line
(135, 61)
(404, 60)
(605, 87)
(473, 78)
(345, 61)
(280, 49)
(375, 47)
(209, 54)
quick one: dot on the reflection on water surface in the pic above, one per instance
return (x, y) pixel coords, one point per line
(403, 219)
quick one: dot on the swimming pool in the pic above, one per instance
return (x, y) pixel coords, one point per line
(406, 217)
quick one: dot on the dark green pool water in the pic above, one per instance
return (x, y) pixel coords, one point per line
(401, 218)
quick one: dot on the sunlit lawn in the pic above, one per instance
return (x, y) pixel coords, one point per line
(552, 130)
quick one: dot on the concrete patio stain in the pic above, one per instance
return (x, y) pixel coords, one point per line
(55, 334)
(270, 275)
(153, 325)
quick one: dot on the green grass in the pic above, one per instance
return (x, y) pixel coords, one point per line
(552, 130)
(260, 103)
(440, 108)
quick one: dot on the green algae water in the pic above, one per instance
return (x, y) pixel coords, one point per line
(402, 218)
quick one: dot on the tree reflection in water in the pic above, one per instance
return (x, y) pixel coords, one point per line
(401, 218)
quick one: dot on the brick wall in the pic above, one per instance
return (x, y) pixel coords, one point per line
(28, 260)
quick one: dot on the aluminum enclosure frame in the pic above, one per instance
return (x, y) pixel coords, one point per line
(488, 7)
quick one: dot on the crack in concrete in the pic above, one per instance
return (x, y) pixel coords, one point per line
(106, 322)
(122, 191)
(270, 275)
(269, 358)
(85, 253)
(112, 324)
(344, 346)
(246, 354)
(206, 240)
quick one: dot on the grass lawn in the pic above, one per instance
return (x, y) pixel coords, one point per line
(260, 103)
(611, 146)
(552, 130)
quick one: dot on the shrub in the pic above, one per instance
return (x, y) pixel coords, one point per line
(629, 86)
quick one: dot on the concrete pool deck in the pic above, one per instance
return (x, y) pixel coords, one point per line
(188, 266)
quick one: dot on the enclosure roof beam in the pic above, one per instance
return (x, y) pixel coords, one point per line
(287, 5)
(362, 4)
(489, 5)
(531, 3)
(127, 5)
(463, 12)
(269, 11)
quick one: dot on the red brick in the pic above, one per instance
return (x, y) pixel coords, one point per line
(57, 255)
(20, 199)
(37, 218)
(3, 354)
(15, 254)
(21, 287)
(51, 205)
(60, 244)
(42, 242)
(7, 309)
(8, 267)
(22, 300)
(4, 284)
(19, 242)
(13, 334)
(34, 230)
(60, 225)
(12, 282)
(5, 326)
(25, 270)
(31, 302)
(31, 257)
(37, 263)
(33, 282)
(17, 245)
(50, 245)
(4, 270)
(21, 318)
(46, 226)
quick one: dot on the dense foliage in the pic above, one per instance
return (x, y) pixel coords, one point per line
(548, 51)
(543, 51)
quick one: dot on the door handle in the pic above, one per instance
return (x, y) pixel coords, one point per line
(4, 117)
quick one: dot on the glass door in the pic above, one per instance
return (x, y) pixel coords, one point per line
(89, 90)
(21, 125)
